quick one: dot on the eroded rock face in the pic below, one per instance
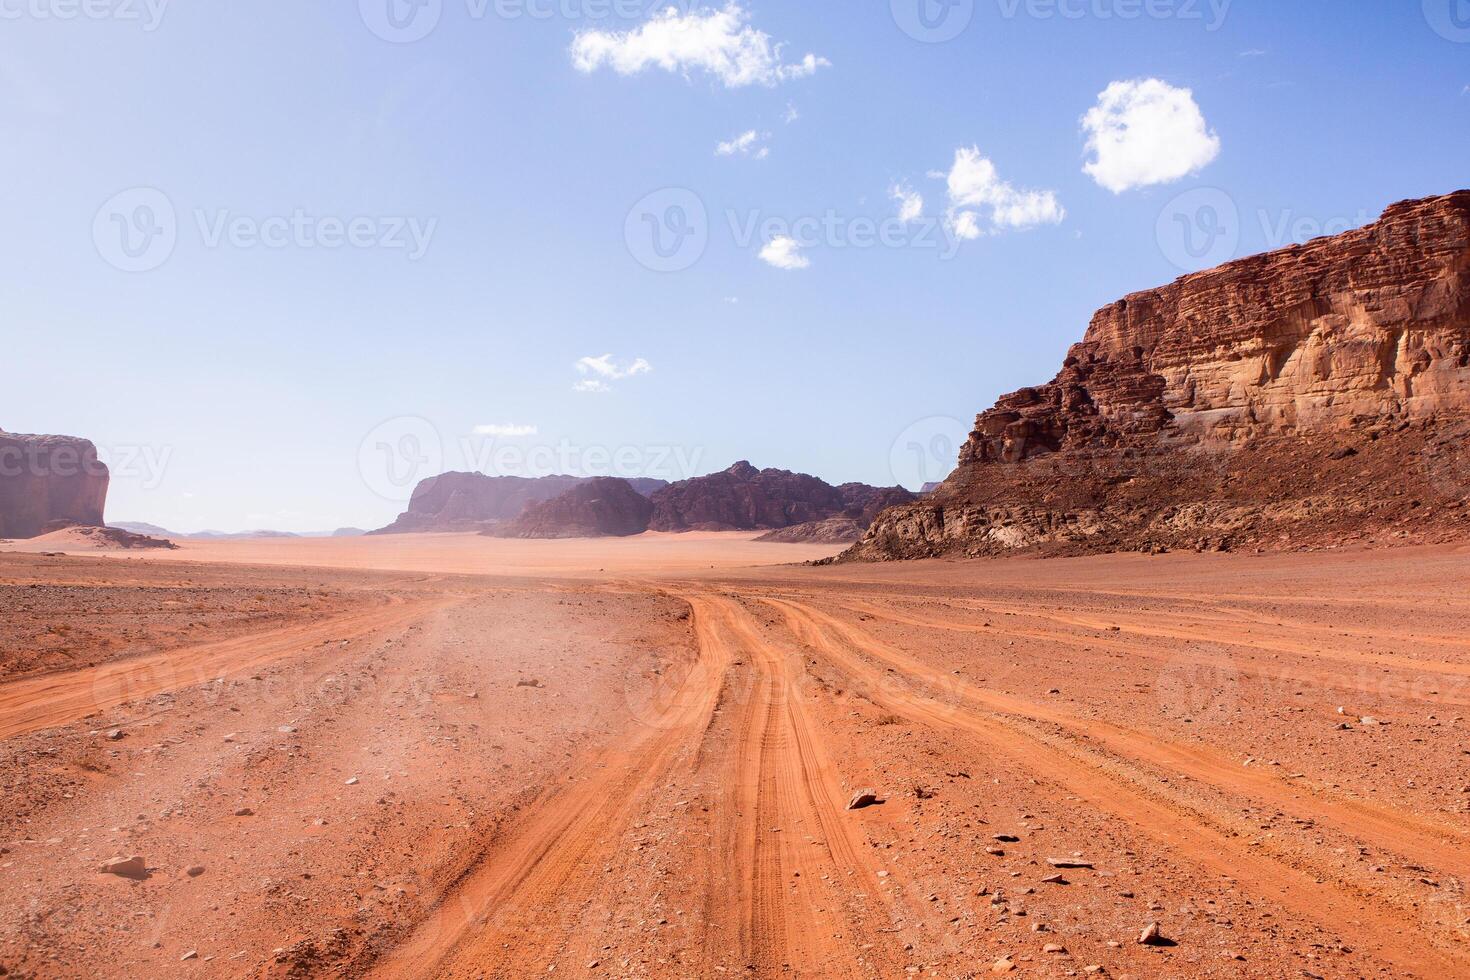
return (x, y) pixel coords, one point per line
(743, 498)
(1209, 412)
(49, 482)
(602, 507)
(474, 502)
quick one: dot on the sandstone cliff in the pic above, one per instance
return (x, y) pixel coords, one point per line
(743, 498)
(474, 502)
(49, 482)
(602, 507)
(1303, 398)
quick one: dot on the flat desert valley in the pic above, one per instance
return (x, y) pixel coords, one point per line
(456, 756)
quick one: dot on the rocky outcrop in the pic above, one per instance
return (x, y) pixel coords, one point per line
(475, 502)
(743, 498)
(833, 530)
(598, 508)
(49, 482)
(1305, 397)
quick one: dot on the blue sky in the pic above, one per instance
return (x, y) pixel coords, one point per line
(374, 247)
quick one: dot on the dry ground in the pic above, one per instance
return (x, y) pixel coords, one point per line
(619, 761)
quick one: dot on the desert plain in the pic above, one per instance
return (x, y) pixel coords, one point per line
(457, 756)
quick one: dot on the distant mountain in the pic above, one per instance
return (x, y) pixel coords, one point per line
(744, 498)
(153, 530)
(138, 527)
(475, 502)
(597, 508)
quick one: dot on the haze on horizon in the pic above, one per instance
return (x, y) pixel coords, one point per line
(279, 262)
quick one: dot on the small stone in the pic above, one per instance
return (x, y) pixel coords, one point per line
(194, 870)
(1053, 948)
(863, 798)
(1054, 880)
(192, 954)
(244, 811)
(114, 734)
(352, 781)
(1152, 935)
(1068, 863)
(1006, 838)
(1002, 965)
(997, 851)
(128, 867)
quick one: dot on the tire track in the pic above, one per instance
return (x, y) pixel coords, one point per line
(496, 921)
(801, 854)
(34, 703)
(1339, 909)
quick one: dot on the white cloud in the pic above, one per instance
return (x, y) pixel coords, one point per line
(784, 253)
(975, 187)
(598, 371)
(910, 202)
(506, 431)
(1253, 53)
(720, 42)
(966, 225)
(791, 114)
(606, 367)
(1146, 132)
(747, 144)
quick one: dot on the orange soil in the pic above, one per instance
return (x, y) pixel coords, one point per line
(611, 759)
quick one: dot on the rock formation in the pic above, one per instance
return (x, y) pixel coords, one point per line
(49, 482)
(743, 498)
(1302, 398)
(833, 530)
(597, 508)
(474, 502)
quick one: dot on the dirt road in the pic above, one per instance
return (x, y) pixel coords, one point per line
(647, 774)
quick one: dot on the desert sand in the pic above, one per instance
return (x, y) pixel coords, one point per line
(448, 755)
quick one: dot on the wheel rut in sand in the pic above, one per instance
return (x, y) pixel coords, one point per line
(1385, 929)
(786, 884)
(1428, 842)
(45, 701)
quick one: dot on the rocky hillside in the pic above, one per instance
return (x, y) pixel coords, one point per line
(1309, 397)
(49, 482)
(598, 508)
(474, 502)
(743, 498)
